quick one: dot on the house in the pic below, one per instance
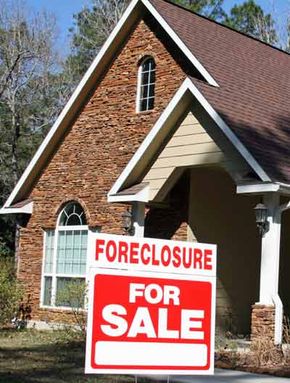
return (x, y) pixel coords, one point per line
(187, 122)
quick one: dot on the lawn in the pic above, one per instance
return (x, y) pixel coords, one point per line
(31, 356)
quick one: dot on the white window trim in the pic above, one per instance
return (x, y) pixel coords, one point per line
(138, 96)
(54, 274)
(139, 84)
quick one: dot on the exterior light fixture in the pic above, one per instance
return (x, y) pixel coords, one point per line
(127, 223)
(261, 213)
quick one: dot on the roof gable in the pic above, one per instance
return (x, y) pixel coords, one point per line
(134, 12)
(253, 96)
(193, 144)
(172, 116)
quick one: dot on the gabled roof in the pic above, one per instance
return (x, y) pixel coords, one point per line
(253, 96)
(246, 82)
(185, 96)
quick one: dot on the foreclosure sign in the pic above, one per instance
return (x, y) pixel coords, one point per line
(151, 306)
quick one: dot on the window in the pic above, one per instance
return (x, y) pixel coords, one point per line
(65, 253)
(146, 85)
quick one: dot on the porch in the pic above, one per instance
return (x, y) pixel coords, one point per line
(197, 186)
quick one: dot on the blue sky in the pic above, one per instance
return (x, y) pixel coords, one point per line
(64, 10)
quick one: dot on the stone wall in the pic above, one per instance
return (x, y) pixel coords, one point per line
(171, 221)
(94, 151)
(263, 323)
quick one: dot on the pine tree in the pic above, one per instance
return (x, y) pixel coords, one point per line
(209, 8)
(250, 18)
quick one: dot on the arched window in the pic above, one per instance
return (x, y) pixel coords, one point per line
(72, 214)
(146, 85)
(65, 255)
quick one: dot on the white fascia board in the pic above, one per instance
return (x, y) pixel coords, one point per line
(96, 64)
(266, 187)
(27, 209)
(186, 86)
(285, 206)
(283, 185)
(258, 188)
(141, 196)
(206, 75)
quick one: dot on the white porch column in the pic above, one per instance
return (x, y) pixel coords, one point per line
(138, 217)
(267, 314)
(269, 272)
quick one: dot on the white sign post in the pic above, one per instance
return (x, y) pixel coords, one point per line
(151, 306)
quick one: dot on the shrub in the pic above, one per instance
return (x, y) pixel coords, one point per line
(10, 291)
(73, 295)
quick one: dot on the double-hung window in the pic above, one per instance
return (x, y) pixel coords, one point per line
(65, 254)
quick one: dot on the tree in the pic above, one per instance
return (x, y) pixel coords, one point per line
(32, 90)
(286, 45)
(250, 18)
(10, 291)
(92, 27)
(209, 8)
(26, 63)
(94, 24)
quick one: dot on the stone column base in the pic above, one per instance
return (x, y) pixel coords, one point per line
(263, 323)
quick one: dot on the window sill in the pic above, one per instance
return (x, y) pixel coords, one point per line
(61, 309)
(142, 112)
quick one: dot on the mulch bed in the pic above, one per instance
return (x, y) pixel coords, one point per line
(275, 363)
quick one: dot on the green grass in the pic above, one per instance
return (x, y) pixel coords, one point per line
(32, 356)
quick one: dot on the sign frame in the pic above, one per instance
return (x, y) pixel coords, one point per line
(118, 270)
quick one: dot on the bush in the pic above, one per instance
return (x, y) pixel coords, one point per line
(73, 295)
(10, 291)
(5, 251)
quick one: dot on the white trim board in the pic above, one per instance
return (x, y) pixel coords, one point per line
(134, 11)
(262, 188)
(141, 196)
(26, 209)
(160, 130)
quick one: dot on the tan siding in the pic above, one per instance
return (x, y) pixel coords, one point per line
(189, 146)
(196, 138)
(186, 129)
(189, 149)
(157, 173)
(191, 160)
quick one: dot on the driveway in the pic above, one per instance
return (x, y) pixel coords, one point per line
(223, 376)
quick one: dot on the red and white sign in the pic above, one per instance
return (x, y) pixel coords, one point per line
(150, 322)
(148, 254)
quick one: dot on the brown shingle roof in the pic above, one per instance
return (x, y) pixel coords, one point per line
(133, 189)
(253, 96)
(21, 203)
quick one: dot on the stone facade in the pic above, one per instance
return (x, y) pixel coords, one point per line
(93, 152)
(263, 322)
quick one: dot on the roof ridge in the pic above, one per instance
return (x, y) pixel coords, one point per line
(225, 26)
